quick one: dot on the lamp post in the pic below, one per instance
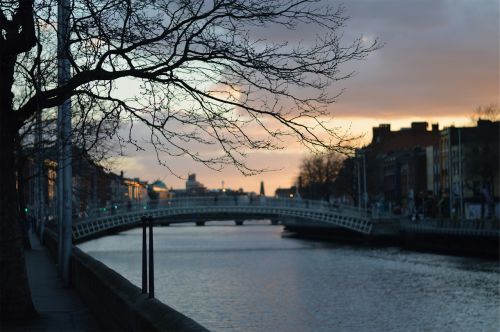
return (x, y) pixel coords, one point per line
(362, 195)
(64, 172)
(151, 260)
(460, 174)
(39, 195)
(359, 180)
(144, 256)
(365, 191)
(450, 173)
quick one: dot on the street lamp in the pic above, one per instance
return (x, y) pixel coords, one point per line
(64, 175)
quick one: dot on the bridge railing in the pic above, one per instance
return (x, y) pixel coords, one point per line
(479, 224)
(221, 200)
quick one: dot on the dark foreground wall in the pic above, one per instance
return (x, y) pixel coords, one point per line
(482, 246)
(117, 303)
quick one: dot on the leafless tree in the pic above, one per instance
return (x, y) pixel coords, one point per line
(194, 73)
(486, 112)
(318, 173)
(345, 183)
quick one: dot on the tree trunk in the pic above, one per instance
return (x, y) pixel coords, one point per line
(15, 295)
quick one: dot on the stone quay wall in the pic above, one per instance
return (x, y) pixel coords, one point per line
(115, 301)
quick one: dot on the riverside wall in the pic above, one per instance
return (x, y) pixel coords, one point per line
(456, 237)
(115, 301)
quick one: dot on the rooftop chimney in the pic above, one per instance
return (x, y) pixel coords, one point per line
(419, 126)
(378, 132)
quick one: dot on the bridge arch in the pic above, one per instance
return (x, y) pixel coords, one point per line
(223, 208)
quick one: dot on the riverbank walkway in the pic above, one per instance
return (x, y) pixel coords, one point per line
(59, 308)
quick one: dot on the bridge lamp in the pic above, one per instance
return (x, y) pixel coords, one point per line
(291, 195)
(116, 207)
(145, 207)
(26, 210)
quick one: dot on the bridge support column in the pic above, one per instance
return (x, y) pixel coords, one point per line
(238, 222)
(200, 223)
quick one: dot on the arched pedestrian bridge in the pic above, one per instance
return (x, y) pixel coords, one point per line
(237, 208)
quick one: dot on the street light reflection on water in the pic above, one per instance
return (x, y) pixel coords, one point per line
(252, 278)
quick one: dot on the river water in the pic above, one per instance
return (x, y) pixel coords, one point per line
(253, 278)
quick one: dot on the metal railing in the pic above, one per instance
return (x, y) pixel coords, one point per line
(261, 201)
(294, 209)
(465, 224)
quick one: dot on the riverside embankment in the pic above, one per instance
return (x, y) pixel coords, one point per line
(460, 237)
(115, 301)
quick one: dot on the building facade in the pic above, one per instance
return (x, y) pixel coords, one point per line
(452, 173)
(469, 171)
(93, 187)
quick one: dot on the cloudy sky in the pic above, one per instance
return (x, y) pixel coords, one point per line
(440, 61)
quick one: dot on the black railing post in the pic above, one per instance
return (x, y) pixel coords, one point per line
(144, 257)
(151, 261)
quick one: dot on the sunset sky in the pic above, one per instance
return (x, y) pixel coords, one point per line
(440, 61)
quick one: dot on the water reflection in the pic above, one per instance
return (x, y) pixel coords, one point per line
(251, 278)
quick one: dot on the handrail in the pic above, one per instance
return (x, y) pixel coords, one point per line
(242, 200)
(315, 211)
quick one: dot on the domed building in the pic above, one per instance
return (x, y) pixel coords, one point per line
(158, 190)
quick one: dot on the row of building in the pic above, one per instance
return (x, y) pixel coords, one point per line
(452, 172)
(93, 187)
(96, 189)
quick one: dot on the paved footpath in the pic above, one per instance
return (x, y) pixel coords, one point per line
(59, 308)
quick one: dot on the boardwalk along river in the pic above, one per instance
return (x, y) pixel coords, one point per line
(251, 278)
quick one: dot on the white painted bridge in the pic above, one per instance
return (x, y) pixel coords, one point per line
(238, 208)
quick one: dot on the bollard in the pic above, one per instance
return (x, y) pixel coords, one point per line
(144, 257)
(151, 261)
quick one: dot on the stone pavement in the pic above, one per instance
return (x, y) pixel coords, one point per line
(59, 308)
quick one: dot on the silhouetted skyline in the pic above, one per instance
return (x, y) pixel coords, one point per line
(439, 62)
